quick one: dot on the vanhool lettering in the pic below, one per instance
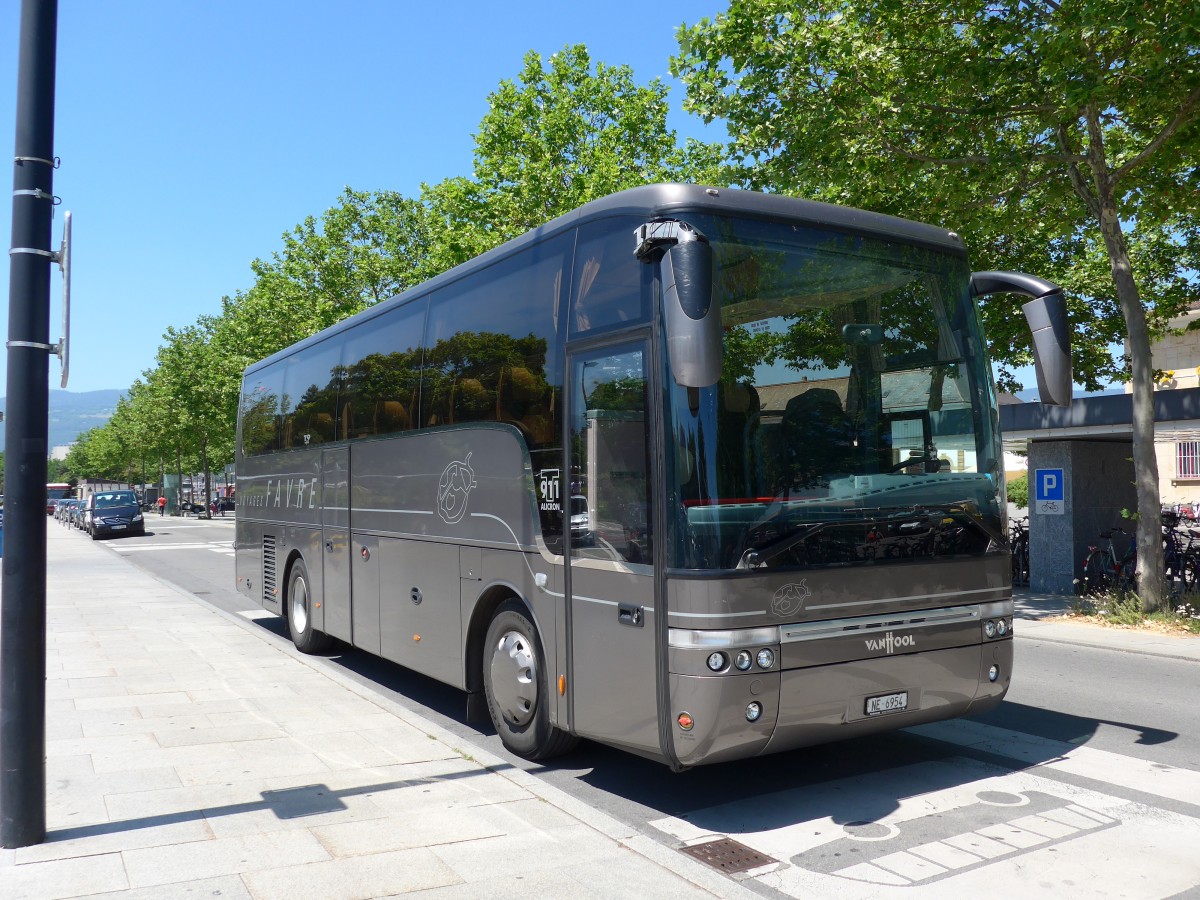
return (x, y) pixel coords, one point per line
(891, 643)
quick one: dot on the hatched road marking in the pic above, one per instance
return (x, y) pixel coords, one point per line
(961, 827)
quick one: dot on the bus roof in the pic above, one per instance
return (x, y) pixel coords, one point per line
(664, 200)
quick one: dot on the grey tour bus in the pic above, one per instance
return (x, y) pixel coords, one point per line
(697, 473)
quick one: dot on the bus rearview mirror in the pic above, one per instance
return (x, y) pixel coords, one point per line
(1046, 314)
(691, 315)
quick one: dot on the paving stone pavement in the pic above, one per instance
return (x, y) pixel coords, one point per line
(188, 756)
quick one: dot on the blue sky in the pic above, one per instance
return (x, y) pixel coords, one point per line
(192, 135)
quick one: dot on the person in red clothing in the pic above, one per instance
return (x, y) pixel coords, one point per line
(162, 505)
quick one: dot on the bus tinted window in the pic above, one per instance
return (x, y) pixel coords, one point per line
(382, 381)
(491, 346)
(607, 290)
(310, 389)
(260, 411)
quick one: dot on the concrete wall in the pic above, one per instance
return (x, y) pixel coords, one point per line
(1098, 484)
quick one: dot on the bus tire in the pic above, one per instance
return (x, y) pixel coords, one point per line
(516, 684)
(298, 612)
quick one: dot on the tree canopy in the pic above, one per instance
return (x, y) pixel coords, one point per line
(1058, 139)
(565, 131)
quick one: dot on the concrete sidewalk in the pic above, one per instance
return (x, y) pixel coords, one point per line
(1039, 617)
(188, 755)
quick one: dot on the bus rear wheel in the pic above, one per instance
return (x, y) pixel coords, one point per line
(298, 608)
(516, 684)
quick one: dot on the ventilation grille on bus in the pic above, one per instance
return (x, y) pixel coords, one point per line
(268, 576)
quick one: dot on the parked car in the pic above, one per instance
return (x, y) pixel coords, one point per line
(75, 516)
(113, 512)
(66, 509)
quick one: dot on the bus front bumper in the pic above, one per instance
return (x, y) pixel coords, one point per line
(818, 704)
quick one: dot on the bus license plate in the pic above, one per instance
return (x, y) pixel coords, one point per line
(888, 703)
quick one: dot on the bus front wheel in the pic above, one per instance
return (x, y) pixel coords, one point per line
(516, 683)
(299, 613)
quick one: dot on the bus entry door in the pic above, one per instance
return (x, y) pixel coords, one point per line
(335, 541)
(608, 491)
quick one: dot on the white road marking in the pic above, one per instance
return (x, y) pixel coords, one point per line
(138, 548)
(961, 827)
(1100, 765)
(256, 614)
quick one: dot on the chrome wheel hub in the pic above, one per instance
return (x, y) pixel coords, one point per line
(515, 678)
(299, 606)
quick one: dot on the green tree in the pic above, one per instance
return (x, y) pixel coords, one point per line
(566, 131)
(1060, 139)
(1018, 491)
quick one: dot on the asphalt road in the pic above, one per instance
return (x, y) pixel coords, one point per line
(1101, 744)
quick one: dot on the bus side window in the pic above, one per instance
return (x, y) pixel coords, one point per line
(492, 350)
(608, 290)
(382, 376)
(310, 388)
(261, 396)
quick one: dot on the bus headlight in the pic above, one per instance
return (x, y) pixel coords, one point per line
(754, 712)
(766, 658)
(1002, 627)
(717, 661)
(743, 660)
(989, 628)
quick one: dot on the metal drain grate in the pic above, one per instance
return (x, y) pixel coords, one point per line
(728, 856)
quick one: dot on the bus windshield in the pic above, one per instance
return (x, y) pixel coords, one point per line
(854, 420)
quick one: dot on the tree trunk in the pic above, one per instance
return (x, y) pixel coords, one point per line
(1151, 579)
(204, 469)
(1100, 199)
(179, 474)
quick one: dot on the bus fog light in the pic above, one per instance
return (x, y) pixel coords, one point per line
(743, 660)
(717, 661)
(1002, 627)
(754, 712)
(989, 628)
(766, 658)
(993, 673)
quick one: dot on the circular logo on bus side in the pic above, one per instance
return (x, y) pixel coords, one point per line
(789, 599)
(454, 489)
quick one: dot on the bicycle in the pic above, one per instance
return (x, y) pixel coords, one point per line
(1103, 573)
(1018, 541)
(1181, 558)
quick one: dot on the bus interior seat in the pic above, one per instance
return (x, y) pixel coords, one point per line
(520, 400)
(321, 426)
(737, 405)
(816, 435)
(391, 416)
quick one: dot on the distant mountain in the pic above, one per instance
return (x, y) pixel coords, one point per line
(72, 413)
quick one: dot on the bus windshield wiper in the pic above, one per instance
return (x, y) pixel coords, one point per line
(758, 556)
(920, 515)
(967, 512)
(963, 511)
